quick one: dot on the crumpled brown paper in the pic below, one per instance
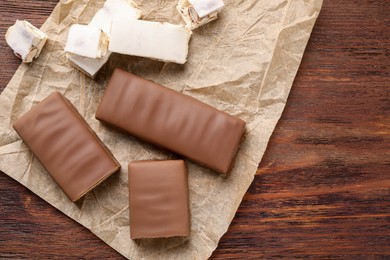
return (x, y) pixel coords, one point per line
(243, 63)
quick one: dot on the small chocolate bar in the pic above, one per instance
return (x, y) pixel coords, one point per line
(171, 120)
(66, 146)
(158, 192)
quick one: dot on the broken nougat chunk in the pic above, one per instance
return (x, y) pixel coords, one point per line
(196, 13)
(86, 41)
(102, 20)
(114, 9)
(25, 40)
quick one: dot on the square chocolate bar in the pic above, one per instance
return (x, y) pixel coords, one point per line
(158, 193)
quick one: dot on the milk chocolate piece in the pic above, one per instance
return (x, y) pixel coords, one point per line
(171, 120)
(158, 192)
(66, 146)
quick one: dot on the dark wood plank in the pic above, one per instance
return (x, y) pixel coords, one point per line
(323, 187)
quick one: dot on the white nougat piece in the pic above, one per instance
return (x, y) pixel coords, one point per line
(196, 13)
(87, 65)
(206, 7)
(86, 41)
(114, 9)
(25, 40)
(102, 20)
(160, 41)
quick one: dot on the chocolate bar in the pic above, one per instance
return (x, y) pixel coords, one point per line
(158, 192)
(66, 146)
(171, 120)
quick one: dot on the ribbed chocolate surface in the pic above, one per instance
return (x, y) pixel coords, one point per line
(171, 120)
(66, 146)
(158, 192)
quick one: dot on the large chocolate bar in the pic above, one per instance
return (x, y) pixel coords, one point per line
(66, 146)
(171, 120)
(158, 192)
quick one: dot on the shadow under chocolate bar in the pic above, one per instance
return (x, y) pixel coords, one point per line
(66, 146)
(171, 120)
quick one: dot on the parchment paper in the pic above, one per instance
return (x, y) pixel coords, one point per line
(243, 63)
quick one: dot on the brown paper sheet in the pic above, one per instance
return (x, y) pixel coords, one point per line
(243, 63)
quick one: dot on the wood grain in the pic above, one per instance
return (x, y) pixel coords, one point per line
(323, 187)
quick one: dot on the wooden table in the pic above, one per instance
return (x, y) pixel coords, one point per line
(323, 187)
